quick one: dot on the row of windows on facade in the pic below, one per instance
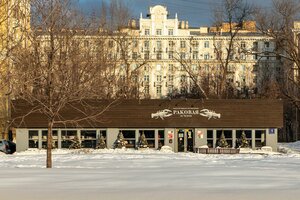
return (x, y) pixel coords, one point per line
(194, 56)
(158, 31)
(183, 44)
(170, 79)
(193, 67)
(89, 138)
(182, 90)
(184, 86)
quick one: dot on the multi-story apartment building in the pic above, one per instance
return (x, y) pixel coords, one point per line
(14, 22)
(158, 57)
(174, 54)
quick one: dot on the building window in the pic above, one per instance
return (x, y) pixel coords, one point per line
(158, 78)
(147, 55)
(206, 44)
(183, 90)
(243, 56)
(158, 56)
(158, 31)
(247, 133)
(255, 46)
(206, 67)
(54, 139)
(146, 78)
(146, 45)
(134, 55)
(230, 68)
(170, 89)
(147, 31)
(170, 54)
(182, 55)
(150, 137)
(161, 138)
(158, 90)
(183, 78)
(194, 67)
(158, 45)
(170, 32)
(243, 68)
(170, 78)
(267, 56)
(86, 44)
(88, 138)
(33, 141)
(195, 55)
(255, 56)
(171, 43)
(243, 45)
(182, 44)
(195, 44)
(206, 56)
(146, 68)
(110, 44)
(68, 136)
(171, 67)
(260, 138)
(228, 137)
(129, 136)
(135, 43)
(210, 138)
(146, 89)
(267, 44)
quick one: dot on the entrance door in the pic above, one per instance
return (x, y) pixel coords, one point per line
(181, 140)
(190, 140)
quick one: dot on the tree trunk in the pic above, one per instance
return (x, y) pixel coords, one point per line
(49, 144)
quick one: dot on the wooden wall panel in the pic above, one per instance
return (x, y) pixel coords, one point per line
(137, 114)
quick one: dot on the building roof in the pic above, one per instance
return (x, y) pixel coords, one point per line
(184, 114)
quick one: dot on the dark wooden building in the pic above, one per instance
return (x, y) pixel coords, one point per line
(182, 124)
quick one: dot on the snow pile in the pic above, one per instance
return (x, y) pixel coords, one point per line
(166, 149)
(203, 147)
(289, 148)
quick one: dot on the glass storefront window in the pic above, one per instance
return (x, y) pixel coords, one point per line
(248, 134)
(150, 136)
(67, 137)
(228, 137)
(88, 138)
(54, 139)
(129, 136)
(33, 139)
(260, 138)
(210, 140)
(161, 138)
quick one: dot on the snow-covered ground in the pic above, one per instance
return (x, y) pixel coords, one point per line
(149, 174)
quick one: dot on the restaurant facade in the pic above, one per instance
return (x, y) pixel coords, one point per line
(182, 124)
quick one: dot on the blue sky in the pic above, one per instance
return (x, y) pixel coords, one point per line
(197, 12)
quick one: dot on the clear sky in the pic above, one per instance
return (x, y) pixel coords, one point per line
(197, 12)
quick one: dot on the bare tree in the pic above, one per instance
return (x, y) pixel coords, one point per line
(230, 18)
(193, 68)
(279, 23)
(59, 69)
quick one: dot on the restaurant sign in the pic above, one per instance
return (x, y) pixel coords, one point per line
(185, 112)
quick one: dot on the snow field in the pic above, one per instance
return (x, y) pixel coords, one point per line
(148, 174)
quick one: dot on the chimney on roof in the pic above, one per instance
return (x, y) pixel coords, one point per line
(182, 25)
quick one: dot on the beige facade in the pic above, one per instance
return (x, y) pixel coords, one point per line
(166, 43)
(14, 23)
